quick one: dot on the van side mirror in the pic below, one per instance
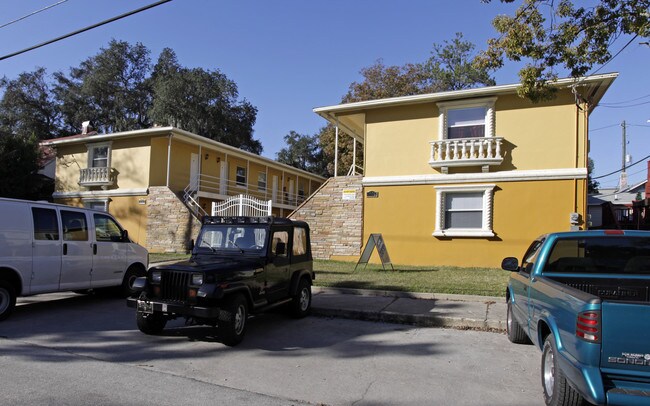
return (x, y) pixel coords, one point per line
(510, 264)
(125, 236)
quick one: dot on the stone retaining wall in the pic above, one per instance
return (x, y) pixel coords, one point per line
(335, 217)
(170, 224)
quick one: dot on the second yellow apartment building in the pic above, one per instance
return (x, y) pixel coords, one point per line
(468, 177)
(158, 181)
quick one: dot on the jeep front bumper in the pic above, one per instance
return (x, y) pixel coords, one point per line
(150, 306)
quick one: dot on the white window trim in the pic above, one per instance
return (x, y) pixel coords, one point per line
(486, 228)
(109, 153)
(104, 201)
(486, 102)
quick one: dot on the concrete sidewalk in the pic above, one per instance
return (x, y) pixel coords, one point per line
(420, 309)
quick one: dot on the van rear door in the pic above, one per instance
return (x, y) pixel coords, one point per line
(46, 250)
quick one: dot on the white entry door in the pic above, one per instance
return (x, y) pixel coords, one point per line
(194, 172)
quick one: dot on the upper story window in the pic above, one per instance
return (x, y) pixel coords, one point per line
(466, 118)
(99, 155)
(261, 181)
(464, 211)
(241, 176)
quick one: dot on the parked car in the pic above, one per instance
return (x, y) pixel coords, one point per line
(239, 266)
(46, 247)
(583, 298)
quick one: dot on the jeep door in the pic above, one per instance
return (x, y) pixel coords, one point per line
(110, 251)
(77, 258)
(277, 273)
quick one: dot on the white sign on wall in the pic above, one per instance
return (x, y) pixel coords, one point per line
(349, 194)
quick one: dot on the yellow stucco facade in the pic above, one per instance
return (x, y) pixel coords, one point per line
(471, 201)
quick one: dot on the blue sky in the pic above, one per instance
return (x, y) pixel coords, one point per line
(289, 56)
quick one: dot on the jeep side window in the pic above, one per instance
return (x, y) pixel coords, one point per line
(299, 241)
(279, 243)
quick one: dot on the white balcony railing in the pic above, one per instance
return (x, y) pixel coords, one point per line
(481, 151)
(96, 177)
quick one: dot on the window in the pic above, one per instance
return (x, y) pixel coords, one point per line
(75, 227)
(301, 191)
(299, 241)
(97, 204)
(99, 155)
(261, 181)
(241, 176)
(106, 229)
(46, 225)
(279, 243)
(464, 211)
(466, 119)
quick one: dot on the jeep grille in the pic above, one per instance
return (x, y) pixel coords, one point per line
(174, 285)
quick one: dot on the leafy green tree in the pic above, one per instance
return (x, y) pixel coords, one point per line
(110, 88)
(592, 185)
(303, 152)
(554, 35)
(203, 102)
(27, 106)
(19, 157)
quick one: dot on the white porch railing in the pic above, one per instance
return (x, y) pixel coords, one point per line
(242, 205)
(96, 176)
(483, 151)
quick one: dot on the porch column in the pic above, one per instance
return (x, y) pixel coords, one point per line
(169, 157)
(336, 149)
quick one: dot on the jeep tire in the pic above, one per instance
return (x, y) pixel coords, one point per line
(300, 305)
(232, 325)
(151, 324)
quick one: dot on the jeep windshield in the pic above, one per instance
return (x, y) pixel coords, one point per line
(233, 238)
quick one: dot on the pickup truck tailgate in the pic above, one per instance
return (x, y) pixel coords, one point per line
(626, 337)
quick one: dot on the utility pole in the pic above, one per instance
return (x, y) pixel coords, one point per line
(622, 184)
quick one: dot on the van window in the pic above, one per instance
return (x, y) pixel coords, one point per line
(106, 229)
(46, 225)
(74, 226)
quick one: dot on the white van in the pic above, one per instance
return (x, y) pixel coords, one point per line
(46, 247)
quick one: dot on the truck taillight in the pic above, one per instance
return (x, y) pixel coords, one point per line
(588, 326)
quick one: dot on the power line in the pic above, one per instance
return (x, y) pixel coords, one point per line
(621, 170)
(110, 20)
(602, 128)
(32, 13)
(625, 102)
(623, 107)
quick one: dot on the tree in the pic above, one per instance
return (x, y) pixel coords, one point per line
(19, 157)
(592, 185)
(303, 152)
(110, 88)
(555, 35)
(203, 102)
(27, 106)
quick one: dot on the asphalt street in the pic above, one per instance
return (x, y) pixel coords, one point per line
(75, 349)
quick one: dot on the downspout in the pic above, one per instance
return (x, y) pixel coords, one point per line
(169, 157)
(336, 149)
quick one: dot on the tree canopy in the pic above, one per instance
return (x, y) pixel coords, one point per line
(560, 35)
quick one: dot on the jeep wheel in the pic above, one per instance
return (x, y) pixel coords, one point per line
(151, 324)
(233, 324)
(7, 299)
(301, 302)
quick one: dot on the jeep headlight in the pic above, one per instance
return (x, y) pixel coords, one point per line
(197, 279)
(156, 276)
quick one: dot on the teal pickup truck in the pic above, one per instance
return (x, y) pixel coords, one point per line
(583, 298)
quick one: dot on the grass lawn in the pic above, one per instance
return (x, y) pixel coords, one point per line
(443, 279)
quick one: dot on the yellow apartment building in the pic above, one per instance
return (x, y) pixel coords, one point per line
(157, 182)
(468, 177)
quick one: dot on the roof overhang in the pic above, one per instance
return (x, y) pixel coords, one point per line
(350, 117)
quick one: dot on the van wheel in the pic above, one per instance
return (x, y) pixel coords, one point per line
(301, 302)
(557, 390)
(516, 333)
(151, 324)
(131, 274)
(232, 329)
(7, 299)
